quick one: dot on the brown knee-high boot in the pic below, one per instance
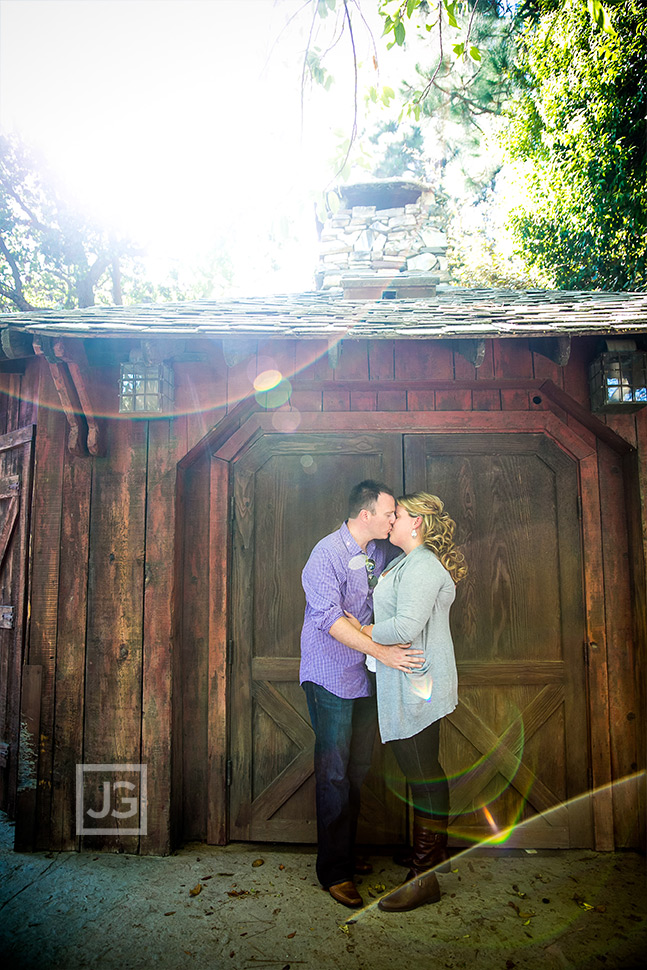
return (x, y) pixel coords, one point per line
(429, 849)
(404, 855)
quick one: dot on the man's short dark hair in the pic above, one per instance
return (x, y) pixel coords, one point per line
(365, 495)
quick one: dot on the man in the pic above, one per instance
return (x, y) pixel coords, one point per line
(339, 578)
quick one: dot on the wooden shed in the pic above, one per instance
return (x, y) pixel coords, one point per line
(151, 596)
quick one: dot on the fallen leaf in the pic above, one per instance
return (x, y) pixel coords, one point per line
(237, 892)
(581, 902)
(344, 929)
(196, 890)
(258, 862)
(204, 878)
(292, 935)
(281, 866)
(379, 887)
(170, 913)
(224, 873)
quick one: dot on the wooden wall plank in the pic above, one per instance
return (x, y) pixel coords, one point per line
(164, 452)
(353, 361)
(391, 400)
(456, 400)
(620, 646)
(201, 395)
(546, 370)
(421, 401)
(113, 681)
(27, 835)
(239, 385)
(381, 360)
(512, 358)
(46, 531)
(598, 683)
(311, 359)
(336, 400)
(486, 400)
(195, 639)
(307, 400)
(70, 652)
(363, 400)
(463, 370)
(217, 828)
(515, 399)
(486, 371)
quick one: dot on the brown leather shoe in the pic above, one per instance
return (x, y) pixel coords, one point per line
(421, 888)
(346, 894)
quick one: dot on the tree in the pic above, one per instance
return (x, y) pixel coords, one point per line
(568, 81)
(52, 255)
(579, 127)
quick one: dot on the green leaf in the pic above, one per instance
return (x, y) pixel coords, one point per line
(600, 16)
(451, 12)
(411, 6)
(475, 54)
(399, 33)
(459, 49)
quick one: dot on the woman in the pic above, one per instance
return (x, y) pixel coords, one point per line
(411, 603)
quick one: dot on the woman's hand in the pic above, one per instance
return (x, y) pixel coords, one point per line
(399, 656)
(353, 620)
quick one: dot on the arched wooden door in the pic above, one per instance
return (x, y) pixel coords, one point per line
(517, 744)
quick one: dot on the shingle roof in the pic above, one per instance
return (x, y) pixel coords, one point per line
(454, 312)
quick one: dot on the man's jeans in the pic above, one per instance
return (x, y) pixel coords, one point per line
(345, 732)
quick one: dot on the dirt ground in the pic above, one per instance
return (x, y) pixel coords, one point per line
(245, 906)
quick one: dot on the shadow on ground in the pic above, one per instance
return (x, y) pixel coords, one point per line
(246, 905)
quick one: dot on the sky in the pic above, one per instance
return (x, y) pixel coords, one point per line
(178, 123)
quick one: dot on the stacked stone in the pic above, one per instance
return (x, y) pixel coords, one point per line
(366, 239)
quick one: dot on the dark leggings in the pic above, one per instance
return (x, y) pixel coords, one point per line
(418, 761)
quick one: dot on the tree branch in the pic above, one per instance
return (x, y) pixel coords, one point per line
(16, 295)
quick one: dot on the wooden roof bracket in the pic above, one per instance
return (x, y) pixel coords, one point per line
(557, 349)
(69, 366)
(473, 350)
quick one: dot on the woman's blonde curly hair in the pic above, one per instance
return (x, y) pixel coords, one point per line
(437, 531)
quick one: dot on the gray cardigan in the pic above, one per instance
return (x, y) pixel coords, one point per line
(412, 602)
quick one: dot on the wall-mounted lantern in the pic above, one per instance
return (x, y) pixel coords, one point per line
(618, 378)
(146, 389)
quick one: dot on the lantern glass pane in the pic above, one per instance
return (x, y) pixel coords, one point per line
(618, 381)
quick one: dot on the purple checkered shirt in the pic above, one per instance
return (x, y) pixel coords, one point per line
(335, 579)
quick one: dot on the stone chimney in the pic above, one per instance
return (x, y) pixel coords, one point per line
(384, 227)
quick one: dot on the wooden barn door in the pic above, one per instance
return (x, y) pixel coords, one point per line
(15, 499)
(289, 491)
(517, 744)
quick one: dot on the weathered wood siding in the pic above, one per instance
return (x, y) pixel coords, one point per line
(130, 655)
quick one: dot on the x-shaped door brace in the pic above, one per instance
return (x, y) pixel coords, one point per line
(301, 767)
(504, 755)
